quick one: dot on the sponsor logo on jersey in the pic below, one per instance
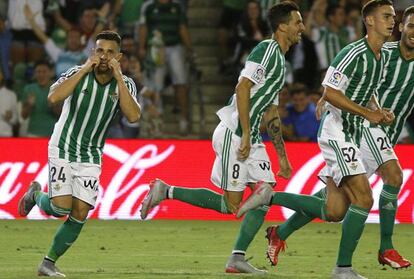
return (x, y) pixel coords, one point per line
(336, 78)
(258, 74)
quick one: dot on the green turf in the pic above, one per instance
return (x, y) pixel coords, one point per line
(185, 249)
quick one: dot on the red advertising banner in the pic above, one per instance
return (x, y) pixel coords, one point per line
(129, 165)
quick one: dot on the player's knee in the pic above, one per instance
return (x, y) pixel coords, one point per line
(365, 201)
(394, 179)
(335, 216)
(58, 211)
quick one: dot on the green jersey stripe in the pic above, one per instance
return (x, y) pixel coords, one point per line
(350, 56)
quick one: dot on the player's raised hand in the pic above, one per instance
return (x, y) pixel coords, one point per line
(375, 116)
(244, 149)
(320, 108)
(116, 68)
(285, 170)
(389, 117)
(90, 64)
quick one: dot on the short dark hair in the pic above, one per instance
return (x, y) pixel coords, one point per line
(407, 12)
(372, 5)
(280, 13)
(109, 36)
(331, 10)
(44, 63)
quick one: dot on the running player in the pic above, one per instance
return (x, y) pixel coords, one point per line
(396, 93)
(241, 157)
(349, 84)
(92, 95)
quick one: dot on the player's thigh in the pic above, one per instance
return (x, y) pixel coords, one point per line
(343, 159)
(228, 173)
(60, 182)
(358, 190)
(337, 202)
(376, 149)
(86, 182)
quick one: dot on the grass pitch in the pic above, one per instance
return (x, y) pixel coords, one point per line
(186, 249)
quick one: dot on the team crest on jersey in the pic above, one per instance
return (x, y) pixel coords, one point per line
(335, 78)
(57, 187)
(113, 96)
(85, 91)
(258, 74)
(354, 166)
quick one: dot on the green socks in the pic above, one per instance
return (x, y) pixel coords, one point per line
(44, 203)
(297, 220)
(310, 206)
(65, 237)
(352, 229)
(252, 222)
(387, 208)
(202, 198)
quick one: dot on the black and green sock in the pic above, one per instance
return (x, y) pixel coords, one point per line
(310, 206)
(44, 203)
(251, 224)
(204, 198)
(352, 228)
(297, 220)
(388, 204)
(65, 236)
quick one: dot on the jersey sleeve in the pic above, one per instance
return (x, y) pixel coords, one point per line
(67, 75)
(257, 62)
(340, 71)
(131, 86)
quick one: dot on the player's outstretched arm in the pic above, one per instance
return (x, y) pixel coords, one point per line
(274, 129)
(65, 86)
(339, 100)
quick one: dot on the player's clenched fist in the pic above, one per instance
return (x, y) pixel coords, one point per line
(92, 61)
(116, 68)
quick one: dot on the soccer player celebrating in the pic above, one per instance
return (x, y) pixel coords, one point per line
(92, 95)
(349, 85)
(396, 93)
(241, 157)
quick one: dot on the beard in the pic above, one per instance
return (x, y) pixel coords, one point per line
(103, 70)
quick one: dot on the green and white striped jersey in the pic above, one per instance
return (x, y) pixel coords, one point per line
(356, 72)
(82, 128)
(396, 90)
(328, 44)
(265, 67)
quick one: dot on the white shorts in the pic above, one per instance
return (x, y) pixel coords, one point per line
(342, 158)
(376, 149)
(80, 180)
(228, 172)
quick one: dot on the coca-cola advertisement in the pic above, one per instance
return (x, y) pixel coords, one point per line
(129, 165)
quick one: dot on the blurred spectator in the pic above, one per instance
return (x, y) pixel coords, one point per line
(64, 59)
(354, 23)
(407, 135)
(251, 30)
(230, 18)
(328, 32)
(5, 42)
(8, 109)
(25, 45)
(163, 30)
(35, 105)
(127, 14)
(90, 23)
(128, 45)
(301, 114)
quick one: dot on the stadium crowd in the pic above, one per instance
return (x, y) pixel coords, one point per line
(41, 39)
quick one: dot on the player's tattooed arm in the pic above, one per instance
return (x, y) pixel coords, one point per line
(274, 129)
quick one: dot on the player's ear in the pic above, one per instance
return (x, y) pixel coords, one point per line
(369, 20)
